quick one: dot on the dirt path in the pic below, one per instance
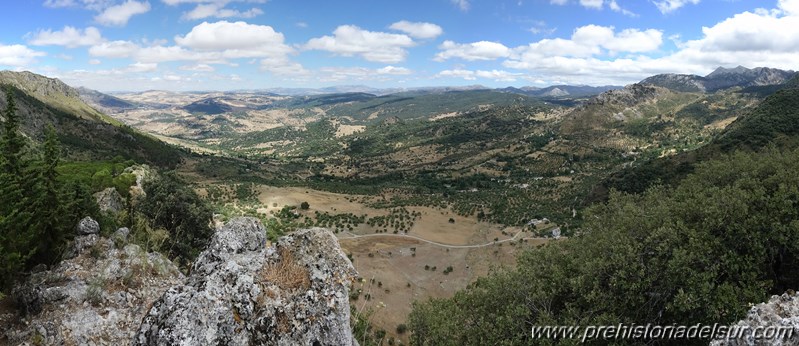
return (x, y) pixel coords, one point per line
(355, 236)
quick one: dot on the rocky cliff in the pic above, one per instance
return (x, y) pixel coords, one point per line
(241, 291)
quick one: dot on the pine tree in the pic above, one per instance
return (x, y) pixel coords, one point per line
(16, 240)
(46, 204)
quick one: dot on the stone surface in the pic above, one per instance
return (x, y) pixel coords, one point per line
(243, 292)
(88, 226)
(109, 200)
(96, 297)
(779, 311)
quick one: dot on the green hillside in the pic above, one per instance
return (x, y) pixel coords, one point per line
(86, 133)
(774, 122)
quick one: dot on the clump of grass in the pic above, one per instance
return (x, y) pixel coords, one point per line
(286, 273)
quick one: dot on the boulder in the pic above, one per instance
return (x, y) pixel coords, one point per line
(109, 200)
(780, 311)
(88, 226)
(242, 291)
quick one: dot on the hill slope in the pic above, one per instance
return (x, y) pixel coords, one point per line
(85, 132)
(775, 120)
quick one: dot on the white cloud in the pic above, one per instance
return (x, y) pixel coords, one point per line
(142, 67)
(198, 68)
(17, 55)
(339, 74)
(95, 62)
(614, 6)
(764, 38)
(418, 30)
(495, 75)
(283, 67)
(668, 6)
(119, 15)
(69, 37)
(458, 73)
(59, 3)
(595, 4)
(226, 35)
(482, 50)
(114, 49)
(350, 40)
(219, 11)
(156, 54)
(600, 4)
(789, 7)
(463, 5)
(392, 70)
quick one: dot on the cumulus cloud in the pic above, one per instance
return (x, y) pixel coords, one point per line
(482, 50)
(350, 40)
(69, 37)
(668, 6)
(118, 15)
(763, 38)
(17, 55)
(418, 30)
(232, 35)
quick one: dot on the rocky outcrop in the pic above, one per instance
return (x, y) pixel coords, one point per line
(243, 291)
(143, 173)
(97, 296)
(109, 200)
(779, 311)
(628, 96)
(721, 78)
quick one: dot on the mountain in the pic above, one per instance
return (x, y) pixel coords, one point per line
(560, 90)
(85, 132)
(774, 121)
(210, 106)
(721, 78)
(54, 93)
(104, 101)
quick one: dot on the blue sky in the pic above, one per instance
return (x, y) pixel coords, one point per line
(120, 45)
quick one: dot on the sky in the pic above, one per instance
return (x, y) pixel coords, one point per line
(134, 45)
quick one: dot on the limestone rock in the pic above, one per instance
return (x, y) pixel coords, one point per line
(243, 292)
(97, 297)
(88, 226)
(109, 200)
(780, 311)
(121, 235)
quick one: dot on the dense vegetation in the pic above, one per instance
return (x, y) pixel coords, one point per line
(700, 252)
(42, 199)
(775, 119)
(37, 209)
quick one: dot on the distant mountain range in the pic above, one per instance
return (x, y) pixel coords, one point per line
(561, 90)
(721, 78)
